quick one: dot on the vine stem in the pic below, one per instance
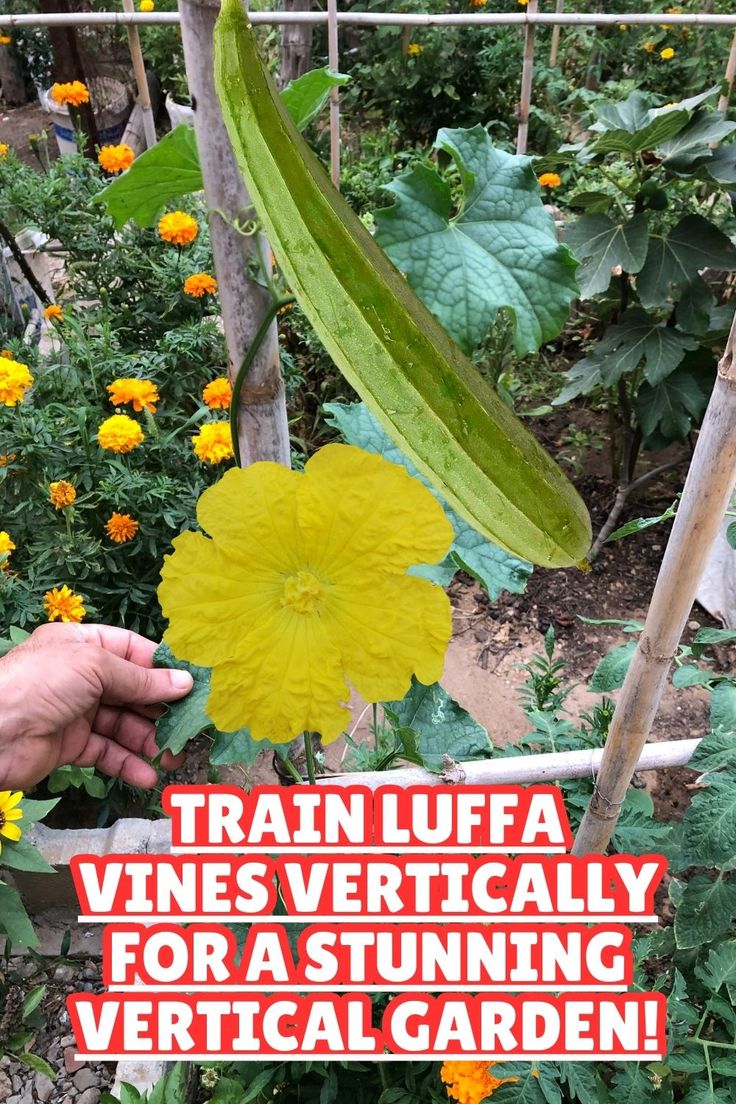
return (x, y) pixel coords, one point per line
(309, 753)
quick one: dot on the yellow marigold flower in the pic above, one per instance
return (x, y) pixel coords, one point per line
(178, 228)
(200, 284)
(6, 547)
(115, 159)
(301, 588)
(61, 494)
(141, 394)
(478, 3)
(121, 527)
(119, 434)
(214, 443)
(5, 39)
(549, 180)
(53, 313)
(522, 2)
(73, 93)
(6, 354)
(15, 379)
(146, 6)
(649, 47)
(623, 26)
(218, 394)
(667, 54)
(414, 49)
(471, 1082)
(10, 814)
(63, 605)
(4, 147)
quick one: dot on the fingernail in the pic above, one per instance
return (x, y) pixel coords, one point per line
(181, 680)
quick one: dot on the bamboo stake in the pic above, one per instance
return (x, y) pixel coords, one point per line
(333, 58)
(263, 432)
(527, 77)
(705, 498)
(377, 19)
(141, 80)
(518, 770)
(729, 77)
(556, 31)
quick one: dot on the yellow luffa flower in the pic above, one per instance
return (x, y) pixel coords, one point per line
(141, 394)
(471, 1082)
(53, 313)
(62, 604)
(61, 494)
(178, 228)
(71, 94)
(115, 159)
(6, 547)
(214, 443)
(121, 527)
(414, 49)
(4, 149)
(667, 54)
(146, 6)
(549, 180)
(15, 379)
(200, 284)
(218, 394)
(10, 814)
(302, 589)
(119, 434)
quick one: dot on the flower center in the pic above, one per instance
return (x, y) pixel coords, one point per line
(302, 593)
(2, 819)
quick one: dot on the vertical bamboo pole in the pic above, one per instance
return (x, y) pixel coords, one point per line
(333, 58)
(527, 77)
(141, 80)
(554, 49)
(730, 75)
(263, 431)
(705, 498)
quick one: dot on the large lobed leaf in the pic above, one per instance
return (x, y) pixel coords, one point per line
(443, 727)
(499, 250)
(602, 244)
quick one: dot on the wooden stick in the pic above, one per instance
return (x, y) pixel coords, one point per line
(141, 80)
(556, 31)
(333, 58)
(527, 77)
(729, 78)
(263, 431)
(706, 495)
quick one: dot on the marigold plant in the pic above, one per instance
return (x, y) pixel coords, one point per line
(200, 284)
(61, 494)
(471, 1082)
(15, 380)
(119, 434)
(140, 394)
(549, 180)
(62, 604)
(214, 443)
(121, 528)
(115, 159)
(4, 148)
(218, 394)
(178, 228)
(53, 312)
(70, 94)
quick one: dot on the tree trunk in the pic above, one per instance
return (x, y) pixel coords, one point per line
(67, 66)
(296, 45)
(11, 79)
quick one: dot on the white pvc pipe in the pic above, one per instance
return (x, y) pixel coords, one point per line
(518, 770)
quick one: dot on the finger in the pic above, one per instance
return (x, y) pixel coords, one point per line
(125, 683)
(117, 762)
(120, 642)
(133, 732)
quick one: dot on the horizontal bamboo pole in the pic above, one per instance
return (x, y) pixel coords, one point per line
(519, 770)
(379, 19)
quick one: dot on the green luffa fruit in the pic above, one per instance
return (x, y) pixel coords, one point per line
(422, 389)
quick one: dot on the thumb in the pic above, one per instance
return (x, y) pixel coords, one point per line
(126, 683)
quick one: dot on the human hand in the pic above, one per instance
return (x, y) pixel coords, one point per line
(84, 695)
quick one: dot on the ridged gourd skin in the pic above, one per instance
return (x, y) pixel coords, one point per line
(418, 384)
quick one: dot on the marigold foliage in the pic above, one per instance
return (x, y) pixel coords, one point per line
(218, 394)
(140, 394)
(301, 589)
(62, 604)
(119, 434)
(115, 159)
(214, 443)
(121, 527)
(15, 379)
(178, 228)
(200, 284)
(10, 814)
(61, 494)
(53, 313)
(471, 1082)
(71, 94)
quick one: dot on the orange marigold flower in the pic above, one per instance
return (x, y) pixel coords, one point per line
(178, 228)
(6, 547)
(6, 354)
(478, 3)
(5, 39)
(213, 443)
(218, 394)
(119, 434)
(4, 148)
(649, 47)
(71, 94)
(141, 394)
(549, 180)
(121, 527)
(115, 159)
(64, 605)
(15, 379)
(61, 494)
(200, 284)
(471, 1082)
(6, 458)
(53, 313)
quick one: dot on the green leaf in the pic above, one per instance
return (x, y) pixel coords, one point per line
(630, 1085)
(672, 407)
(639, 336)
(601, 244)
(580, 1080)
(689, 675)
(22, 855)
(721, 166)
(705, 911)
(720, 967)
(715, 751)
(499, 250)
(14, 918)
(443, 726)
(236, 747)
(305, 97)
(166, 171)
(695, 306)
(723, 708)
(710, 823)
(638, 524)
(495, 568)
(611, 671)
(714, 636)
(594, 202)
(33, 811)
(731, 534)
(35, 1062)
(524, 1090)
(582, 378)
(693, 144)
(673, 261)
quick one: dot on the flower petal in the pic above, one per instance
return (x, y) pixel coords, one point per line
(13, 814)
(11, 831)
